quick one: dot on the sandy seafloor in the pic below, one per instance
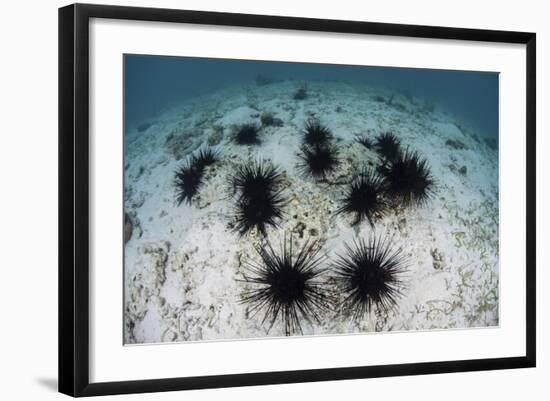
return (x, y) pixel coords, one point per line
(183, 263)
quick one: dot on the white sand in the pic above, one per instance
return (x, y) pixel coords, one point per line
(183, 263)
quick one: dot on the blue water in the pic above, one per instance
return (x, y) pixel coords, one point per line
(154, 83)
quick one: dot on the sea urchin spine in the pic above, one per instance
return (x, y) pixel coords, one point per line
(370, 275)
(365, 141)
(288, 286)
(364, 198)
(188, 177)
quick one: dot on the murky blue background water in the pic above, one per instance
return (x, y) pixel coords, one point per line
(156, 83)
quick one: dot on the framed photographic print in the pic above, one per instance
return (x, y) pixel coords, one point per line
(249, 199)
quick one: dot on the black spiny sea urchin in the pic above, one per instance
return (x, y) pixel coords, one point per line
(408, 179)
(318, 161)
(301, 93)
(256, 178)
(370, 275)
(364, 198)
(188, 177)
(388, 146)
(247, 134)
(315, 133)
(260, 200)
(288, 286)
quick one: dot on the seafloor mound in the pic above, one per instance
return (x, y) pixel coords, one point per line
(185, 264)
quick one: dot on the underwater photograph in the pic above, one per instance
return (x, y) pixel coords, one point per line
(271, 199)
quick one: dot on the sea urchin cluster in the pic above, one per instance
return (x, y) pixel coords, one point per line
(287, 286)
(260, 199)
(189, 176)
(370, 275)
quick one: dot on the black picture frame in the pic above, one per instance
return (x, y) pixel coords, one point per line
(74, 198)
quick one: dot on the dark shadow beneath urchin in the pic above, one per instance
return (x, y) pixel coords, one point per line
(288, 287)
(247, 134)
(318, 161)
(189, 177)
(259, 197)
(316, 133)
(369, 276)
(388, 146)
(408, 179)
(364, 198)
